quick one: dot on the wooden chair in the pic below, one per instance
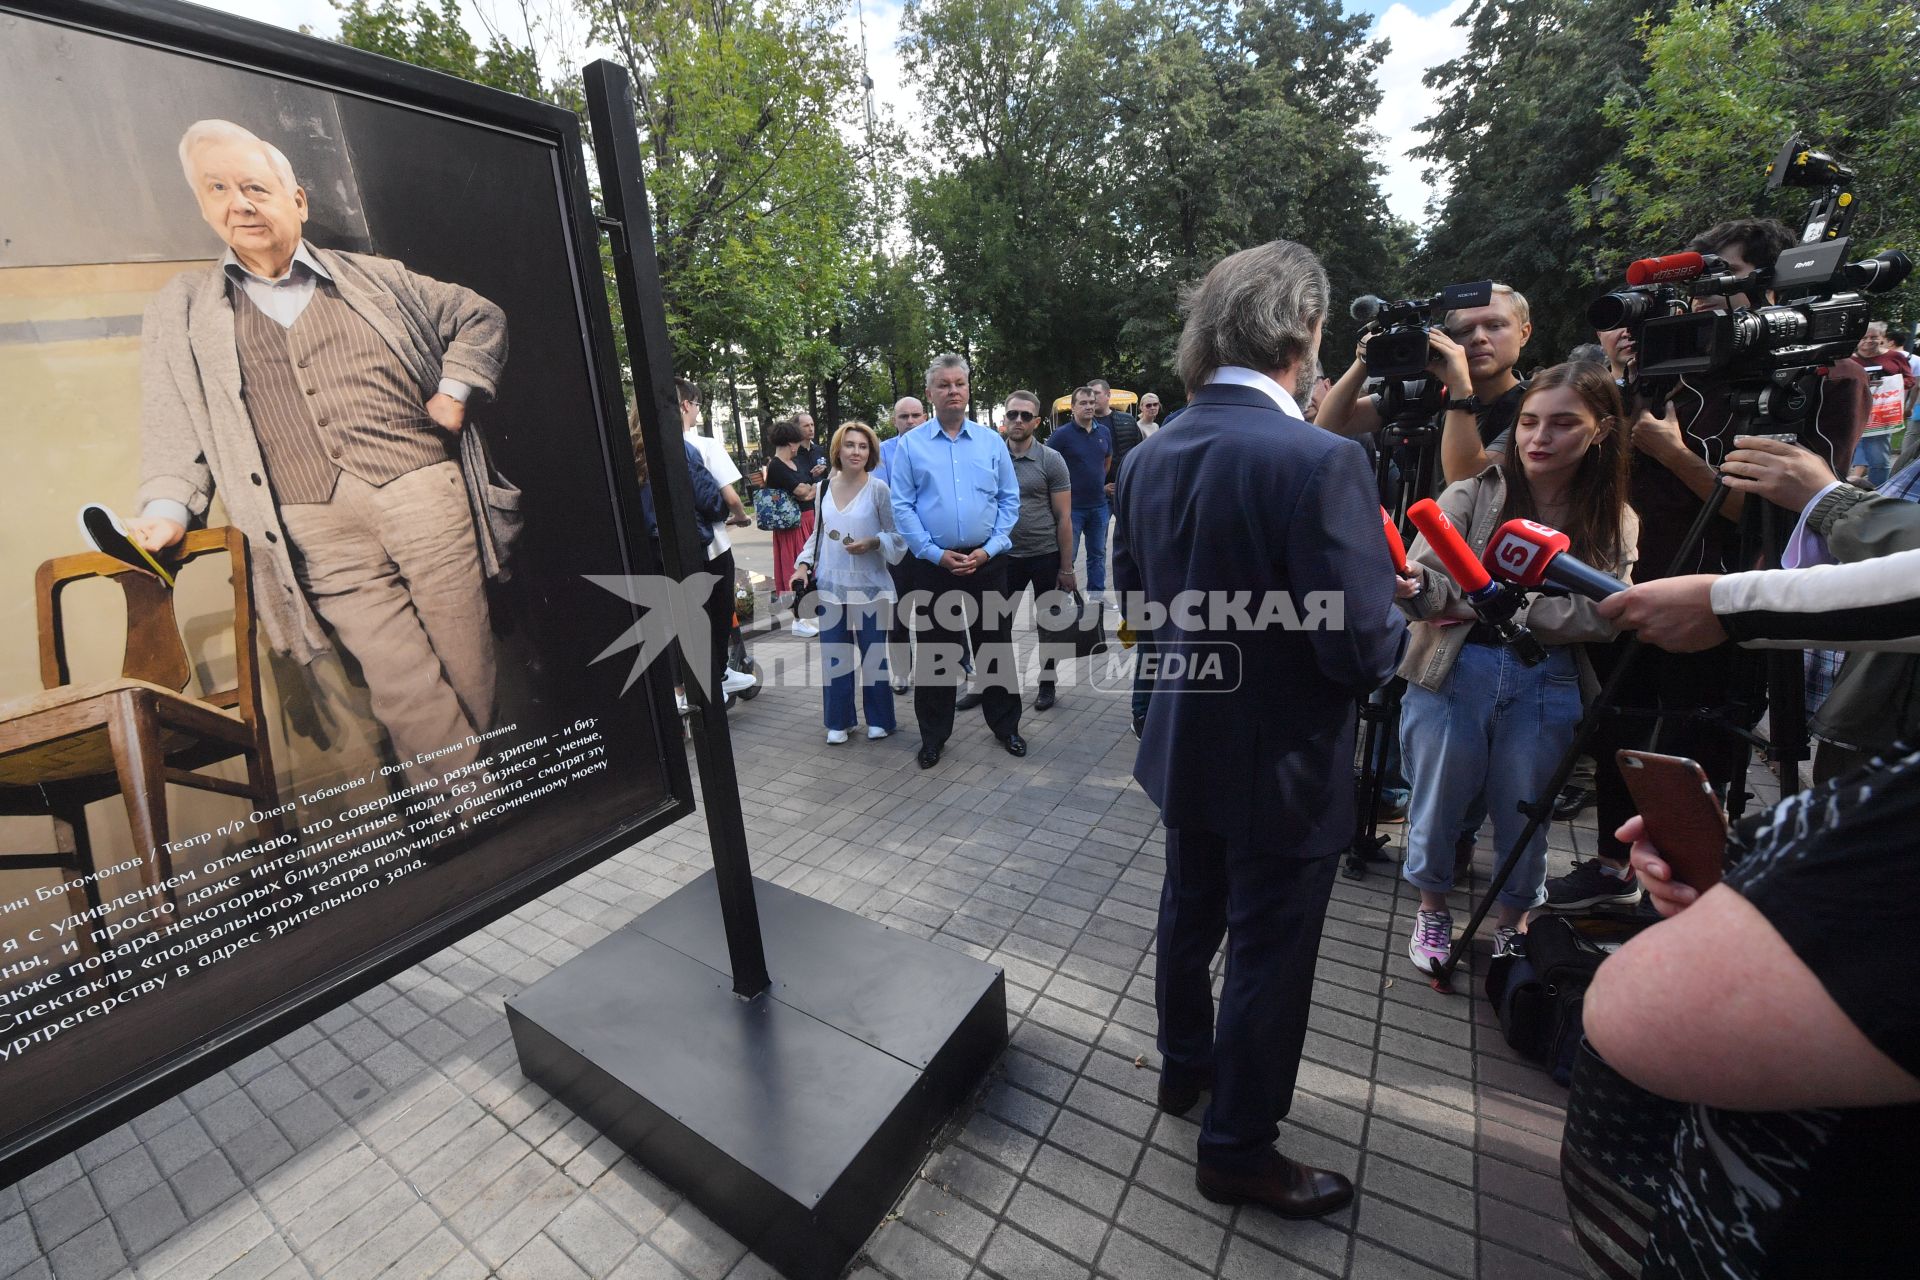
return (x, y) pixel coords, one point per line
(73, 744)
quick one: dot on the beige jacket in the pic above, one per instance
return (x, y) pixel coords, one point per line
(196, 437)
(1474, 505)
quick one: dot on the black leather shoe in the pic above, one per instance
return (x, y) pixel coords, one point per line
(1015, 744)
(929, 755)
(967, 701)
(1289, 1188)
(1572, 799)
(1045, 700)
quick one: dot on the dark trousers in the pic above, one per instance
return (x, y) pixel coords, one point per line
(720, 616)
(1269, 908)
(1040, 574)
(900, 633)
(943, 640)
(1676, 687)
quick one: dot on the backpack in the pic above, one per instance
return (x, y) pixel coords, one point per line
(1538, 996)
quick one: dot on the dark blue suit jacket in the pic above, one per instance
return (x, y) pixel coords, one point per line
(1239, 497)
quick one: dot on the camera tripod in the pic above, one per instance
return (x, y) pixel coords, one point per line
(1403, 471)
(1762, 540)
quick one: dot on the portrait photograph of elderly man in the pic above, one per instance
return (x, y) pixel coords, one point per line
(322, 394)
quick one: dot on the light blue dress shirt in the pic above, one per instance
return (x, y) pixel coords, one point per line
(953, 492)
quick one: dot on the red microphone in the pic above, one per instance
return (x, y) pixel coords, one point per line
(1529, 554)
(1454, 553)
(1395, 546)
(1665, 270)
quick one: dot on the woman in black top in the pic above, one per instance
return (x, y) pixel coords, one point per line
(785, 475)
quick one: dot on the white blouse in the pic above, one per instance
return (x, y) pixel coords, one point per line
(849, 579)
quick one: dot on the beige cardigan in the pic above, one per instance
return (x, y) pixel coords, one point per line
(1474, 505)
(196, 437)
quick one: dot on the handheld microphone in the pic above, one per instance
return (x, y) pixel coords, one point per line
(1529, 554)
(1667, 269)
(1493, 603)
(1462, 565)
(1395, 546)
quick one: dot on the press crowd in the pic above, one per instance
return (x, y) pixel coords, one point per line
(1267, 480)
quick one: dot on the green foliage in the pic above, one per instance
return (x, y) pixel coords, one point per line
(1078, 186)
(1519, 136)
(755, 188)
(434, 37)
(1729, 84)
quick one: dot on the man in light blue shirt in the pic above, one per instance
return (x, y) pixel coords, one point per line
(955, 501)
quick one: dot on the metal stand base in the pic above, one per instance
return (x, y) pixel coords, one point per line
(793, 1119)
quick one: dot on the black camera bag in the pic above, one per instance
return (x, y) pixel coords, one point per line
(1538, 996)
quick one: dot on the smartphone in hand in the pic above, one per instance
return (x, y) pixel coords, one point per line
(1683, 817)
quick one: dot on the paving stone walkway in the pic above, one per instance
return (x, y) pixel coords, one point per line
(396, 1136)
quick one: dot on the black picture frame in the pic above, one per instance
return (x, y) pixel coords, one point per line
(335, 68)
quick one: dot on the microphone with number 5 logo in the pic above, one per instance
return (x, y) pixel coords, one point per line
(1531, 555)
(1493, 603)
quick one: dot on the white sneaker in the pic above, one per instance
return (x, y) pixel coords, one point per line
(803, 628)
(875, 732)
(836, 736)
(734, 681)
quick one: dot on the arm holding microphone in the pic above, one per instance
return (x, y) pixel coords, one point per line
(1464, 580)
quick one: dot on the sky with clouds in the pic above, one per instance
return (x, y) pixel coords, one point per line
(1421, 32)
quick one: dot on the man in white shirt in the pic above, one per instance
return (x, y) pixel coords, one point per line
(720, 548)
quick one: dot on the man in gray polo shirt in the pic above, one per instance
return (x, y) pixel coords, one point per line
(1042, 552)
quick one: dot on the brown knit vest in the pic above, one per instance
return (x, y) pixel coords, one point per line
(327, 396)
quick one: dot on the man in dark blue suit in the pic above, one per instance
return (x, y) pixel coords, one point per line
(1276, 526)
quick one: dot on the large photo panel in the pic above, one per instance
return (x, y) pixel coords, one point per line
(313, 440)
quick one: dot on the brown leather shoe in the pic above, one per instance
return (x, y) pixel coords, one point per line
(1289, 1188)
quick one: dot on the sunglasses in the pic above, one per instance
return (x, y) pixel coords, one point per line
(1020, 415)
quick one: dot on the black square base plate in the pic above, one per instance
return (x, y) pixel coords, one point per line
(794, 1119)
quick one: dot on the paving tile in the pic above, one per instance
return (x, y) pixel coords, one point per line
(1067, 1227)
(1013, 1256)
(1178, 1230)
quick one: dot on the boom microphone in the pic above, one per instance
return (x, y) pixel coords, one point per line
(1529, 554)
(1395, 546)
(1365, 307)
(1462, 565)
(1667, 269)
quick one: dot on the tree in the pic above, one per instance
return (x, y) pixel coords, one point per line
(1727, 85)
(436, 38)
(745, 110)
(1519, 137)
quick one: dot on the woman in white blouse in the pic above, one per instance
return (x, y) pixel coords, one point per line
(845, 564)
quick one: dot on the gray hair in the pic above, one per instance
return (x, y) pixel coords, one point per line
(947, 360)
(1257, 308)
(1877, 326)
(1099, 384)
(201, 132)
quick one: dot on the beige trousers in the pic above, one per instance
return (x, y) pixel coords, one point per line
(395, 570)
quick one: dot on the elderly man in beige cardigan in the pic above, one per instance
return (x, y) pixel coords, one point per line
(322, 395)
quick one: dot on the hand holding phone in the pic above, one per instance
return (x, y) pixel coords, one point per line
(1681, 816)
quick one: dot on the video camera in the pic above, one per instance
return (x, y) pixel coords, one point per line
(1398, 347)
(1819, 318)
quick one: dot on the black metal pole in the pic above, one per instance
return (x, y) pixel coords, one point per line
(616, 148)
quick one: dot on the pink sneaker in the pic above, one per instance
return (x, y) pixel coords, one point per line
(1431, 942)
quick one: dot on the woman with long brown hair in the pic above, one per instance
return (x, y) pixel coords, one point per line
(1476, 720)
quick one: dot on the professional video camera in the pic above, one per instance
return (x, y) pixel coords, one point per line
(1820, 314)
(1398, 348)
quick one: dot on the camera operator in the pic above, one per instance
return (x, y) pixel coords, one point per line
(1783, 1006)
(1477, 348)
(1674, 472)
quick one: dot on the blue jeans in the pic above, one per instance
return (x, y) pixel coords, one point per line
(1092, 521)
(853, 643)
(1874, 454)
(1497, 727)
